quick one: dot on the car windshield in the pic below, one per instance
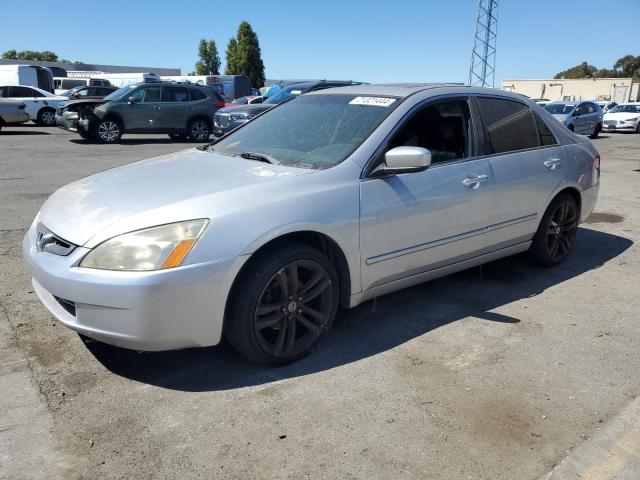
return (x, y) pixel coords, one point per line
(66, 93)
(283, 95)
(241, 100)
(560, 108)
(625, 109)
(312, 131)
(120, 93)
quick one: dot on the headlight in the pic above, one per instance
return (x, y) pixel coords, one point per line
(630, 119)
(153, 248)
(241, 116)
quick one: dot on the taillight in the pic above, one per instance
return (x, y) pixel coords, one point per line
(596, 162)
(220, 104)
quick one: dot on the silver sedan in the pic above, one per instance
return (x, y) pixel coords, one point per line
(328, 200)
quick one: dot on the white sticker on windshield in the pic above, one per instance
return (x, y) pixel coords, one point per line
(375, 101)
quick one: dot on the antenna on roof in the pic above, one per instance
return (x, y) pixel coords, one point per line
(483, 56)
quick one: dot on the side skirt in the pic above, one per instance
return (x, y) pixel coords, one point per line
(389, 287)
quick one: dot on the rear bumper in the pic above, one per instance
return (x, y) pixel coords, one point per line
(159, 310)
(589, 200)
(15, 118)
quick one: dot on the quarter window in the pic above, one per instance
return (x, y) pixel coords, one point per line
(442, 128)
(546, 137)
(197, 95)
(510, 125)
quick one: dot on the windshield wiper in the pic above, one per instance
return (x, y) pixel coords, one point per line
(260, 157)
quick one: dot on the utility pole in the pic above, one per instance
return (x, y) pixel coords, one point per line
(483, 57)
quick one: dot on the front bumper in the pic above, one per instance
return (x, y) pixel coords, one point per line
(159, 310)
(67, 120)
(618, 126)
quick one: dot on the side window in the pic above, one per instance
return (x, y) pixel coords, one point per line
(147, 94)
(24, 92)
(546, 137)
(4, 92)
(510, 125)
(85, 92)
(175, 94)
(197, 95)
(591, 108)
(442, 128)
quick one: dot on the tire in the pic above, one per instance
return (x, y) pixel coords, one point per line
(282, 304)
(46, 117)
(638, 128)
(178, 137)
(596, 131)
(556, 233)
(108, 130)
(199, 130)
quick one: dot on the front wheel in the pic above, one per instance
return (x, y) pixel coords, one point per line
(199, 130)
(556, 234)
(596, 131)
(47, 117)
(108, 131)
(282, 305)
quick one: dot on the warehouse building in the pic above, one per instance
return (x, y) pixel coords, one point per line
(58, 67)
(616, 89)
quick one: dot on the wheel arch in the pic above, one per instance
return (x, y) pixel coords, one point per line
(196, 116)
(313, 238)
(115, 116)
(571, 190)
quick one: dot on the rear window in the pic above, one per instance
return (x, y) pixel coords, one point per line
(510, 125)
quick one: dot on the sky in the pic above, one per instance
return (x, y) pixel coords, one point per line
(372, 41)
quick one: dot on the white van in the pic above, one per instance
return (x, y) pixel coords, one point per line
(229, 86)
(28, 75)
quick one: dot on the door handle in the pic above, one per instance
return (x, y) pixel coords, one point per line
(552, 163)
(482, 178)
(472, 182)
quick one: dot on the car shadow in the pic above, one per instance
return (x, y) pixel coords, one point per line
(373, 327)
(137, 141)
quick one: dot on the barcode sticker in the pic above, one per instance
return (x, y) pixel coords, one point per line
(375, 101)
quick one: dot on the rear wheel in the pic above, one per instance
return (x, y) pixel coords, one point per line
(109, 131)
(596, 131)
(282, 305)
(47, 117)
(199, 130)
(556, 234)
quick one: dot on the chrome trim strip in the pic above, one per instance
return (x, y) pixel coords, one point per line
(444, 241)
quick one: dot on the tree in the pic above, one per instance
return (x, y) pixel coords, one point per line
(244, 56)
(10, 55)
(231, 66)
(209, 63)
(584, 70)
(628, 66)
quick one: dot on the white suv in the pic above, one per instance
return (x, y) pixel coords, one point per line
(41, 105)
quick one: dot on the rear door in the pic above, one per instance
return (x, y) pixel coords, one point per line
(175, 108)
(33, 99)
(527, 165)
(415, 222)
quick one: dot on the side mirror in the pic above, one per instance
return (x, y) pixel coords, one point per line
(404, 160)
(132, 100)
(577, 112)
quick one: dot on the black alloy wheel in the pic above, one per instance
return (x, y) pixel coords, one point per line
(557, 232)
(294, 309)
(282, 304)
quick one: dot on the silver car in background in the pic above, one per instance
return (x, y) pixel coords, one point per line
(330, 199)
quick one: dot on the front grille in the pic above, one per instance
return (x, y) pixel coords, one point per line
(68, 305)
(47, 241)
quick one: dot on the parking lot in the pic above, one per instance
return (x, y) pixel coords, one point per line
(498, 372)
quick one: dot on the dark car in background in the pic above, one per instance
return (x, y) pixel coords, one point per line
(229, 118)
(183, 111)
(88, 91)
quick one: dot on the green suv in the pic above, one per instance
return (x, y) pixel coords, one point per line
(184, 111)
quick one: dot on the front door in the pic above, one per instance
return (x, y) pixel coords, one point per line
(414, 222)
(142, 114)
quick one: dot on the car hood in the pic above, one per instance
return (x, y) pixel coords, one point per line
(621, 115)
(561, 117)
(250, 109)
(181, 186)
(84, 102)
